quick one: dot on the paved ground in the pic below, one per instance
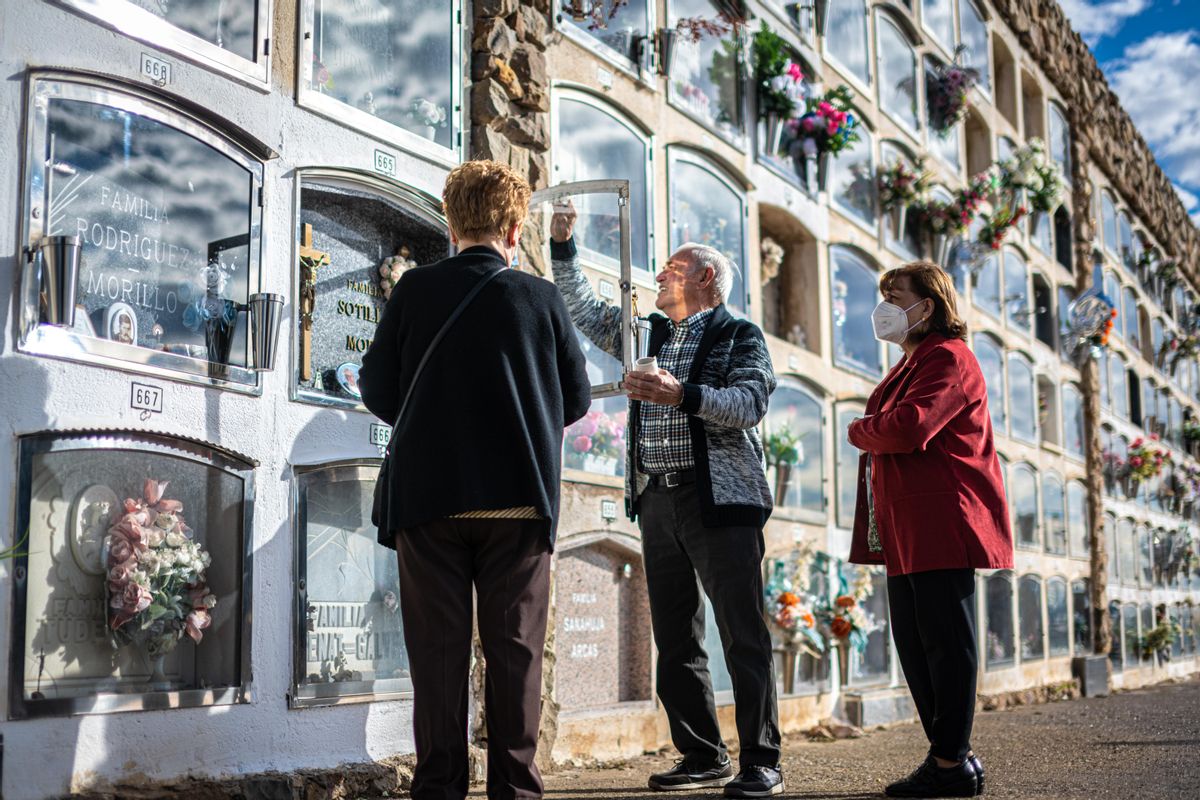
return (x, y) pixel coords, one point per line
(1143, 744)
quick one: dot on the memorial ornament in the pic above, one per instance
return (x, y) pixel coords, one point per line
(156, 588)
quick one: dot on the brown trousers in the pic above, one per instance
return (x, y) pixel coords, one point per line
(508, 563)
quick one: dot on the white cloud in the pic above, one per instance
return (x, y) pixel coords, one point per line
(1156, 80)
(1095, 19)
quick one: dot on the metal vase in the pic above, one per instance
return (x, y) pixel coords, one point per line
(219, 329)
(816, 167)
(666, 39)
(821, 12)
(775, 125)
(641, 337)
(898, 214)
(266, 314)
(939, 248)
(783, 478)
(60, 277)
(1036, 220)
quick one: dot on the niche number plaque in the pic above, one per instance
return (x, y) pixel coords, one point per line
(380, 434)
(156, 69)
(385, 163)
(145, 398)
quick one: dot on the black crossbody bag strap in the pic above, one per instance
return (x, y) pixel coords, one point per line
(454, 315)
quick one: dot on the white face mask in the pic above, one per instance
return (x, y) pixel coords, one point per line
(890, 321)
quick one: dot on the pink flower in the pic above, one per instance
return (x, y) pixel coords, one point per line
(169, 506)
(832, 128)
(582, 444)
(197, 621)
(153, 490)
(119, 573)
(794, 70)
(809, 124)
(132, 600)
(119, 551)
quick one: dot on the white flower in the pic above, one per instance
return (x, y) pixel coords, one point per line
(176, 539)
(780, 83)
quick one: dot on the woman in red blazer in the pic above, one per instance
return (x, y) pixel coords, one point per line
(931, 507)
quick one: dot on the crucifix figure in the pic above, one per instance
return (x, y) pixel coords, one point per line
(310, 260)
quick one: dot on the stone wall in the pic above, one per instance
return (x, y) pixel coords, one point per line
(1102, 128)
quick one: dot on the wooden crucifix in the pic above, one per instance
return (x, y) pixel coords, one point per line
(310, 260)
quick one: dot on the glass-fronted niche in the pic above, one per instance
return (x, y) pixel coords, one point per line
(349, 637)
(135, 593)
(228, 35)
(617, 29)
(168, 213)
(356, 235)
(706, 75)
(388, 67)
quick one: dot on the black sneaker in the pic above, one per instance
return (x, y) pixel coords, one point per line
(930, 780)
(755, 781)
(977, 765)
(692, 774)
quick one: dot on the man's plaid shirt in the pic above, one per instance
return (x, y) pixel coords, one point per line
(664, 441)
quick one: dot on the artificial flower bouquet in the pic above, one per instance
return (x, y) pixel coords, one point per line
(1031, 169)
(156, 586)
(780, 80)
(948, 89)
(598, 435)
(827, 125)
(844, 615)
(392, 267)
(1146, 459)
(903, 186)
(788, 605)
(783, 446)
(953, 217)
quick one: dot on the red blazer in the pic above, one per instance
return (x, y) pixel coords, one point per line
(939, 495)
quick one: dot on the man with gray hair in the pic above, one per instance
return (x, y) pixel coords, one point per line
(694, 481)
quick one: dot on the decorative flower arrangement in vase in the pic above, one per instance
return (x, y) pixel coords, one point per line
(902, 187)
(826, 128)
(596, 443)
(321, 76)
(947, 220)
(948, 91)
(1145, 461)
(781, 89)
(843, 615)
(156, 588)
(428, 115)
(997, 221)
(1167, 273)
(784, 451)
(1031, 170)
(1182, 348)
(791, 609)
(392, 267)
(1115, 470)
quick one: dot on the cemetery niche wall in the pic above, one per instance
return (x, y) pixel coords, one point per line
(168, 213)
(356, 236)
(349, 637)
(135, 590)
(603, 635)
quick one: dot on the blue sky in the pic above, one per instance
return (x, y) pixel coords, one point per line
(1150, 53)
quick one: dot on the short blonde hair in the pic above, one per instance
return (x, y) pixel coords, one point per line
(484, 199)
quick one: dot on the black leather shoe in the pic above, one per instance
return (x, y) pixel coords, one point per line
(692, 774)
(755, 781)
(977, 765)
(930, 780)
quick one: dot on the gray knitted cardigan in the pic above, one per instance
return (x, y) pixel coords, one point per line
(725, 398)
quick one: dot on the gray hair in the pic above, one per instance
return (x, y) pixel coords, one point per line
(723, 269)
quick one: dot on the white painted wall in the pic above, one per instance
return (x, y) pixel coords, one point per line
(47, 757)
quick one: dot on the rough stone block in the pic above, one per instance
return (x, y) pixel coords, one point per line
(532, 26)
(539, 170)
(531, 131)
(530, 65)
(488, 101)
(494, 8)
(487, 142)
(536, 98)
(494, 36)
(482, 66)
(508, 79)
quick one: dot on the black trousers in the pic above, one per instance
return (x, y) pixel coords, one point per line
(683, 559)
(508, 562)
(933, 625)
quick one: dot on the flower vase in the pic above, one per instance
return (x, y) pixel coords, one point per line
(939, 249)
(843, 651)
(219, 329)
(898, 214)
(783, 479)
(821, 12)
(1036, 220)
(158, 680)
(790, 654)
(1131, 487)
(816, 167)
(430, 132)
(774, 124)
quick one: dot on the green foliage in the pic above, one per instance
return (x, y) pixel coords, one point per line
(782, 446)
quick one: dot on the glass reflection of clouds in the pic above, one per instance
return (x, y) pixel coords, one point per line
(229, 24)
(389, 59)
(897, 74)
(705, 75)
(167, 224)
(799, 412)
(855, 296)
(706, 210)
(592, 145)
(596, 443)
(624, 22)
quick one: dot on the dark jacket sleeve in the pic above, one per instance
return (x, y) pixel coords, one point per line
(742, 402)
(934, 398)
(572, 364)
(379, 375)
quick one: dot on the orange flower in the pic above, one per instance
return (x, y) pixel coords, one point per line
(840, 627)
(845, 601)
(808, 619)
(789, 599)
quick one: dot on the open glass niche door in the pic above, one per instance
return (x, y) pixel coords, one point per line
(602, 238)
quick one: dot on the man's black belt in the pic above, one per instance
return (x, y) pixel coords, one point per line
(669, 480)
